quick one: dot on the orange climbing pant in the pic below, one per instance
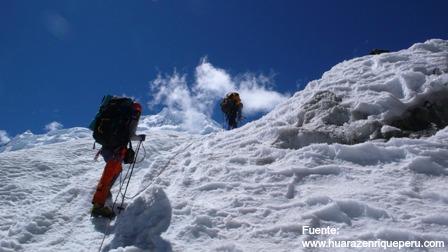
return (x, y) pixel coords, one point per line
(110, 173)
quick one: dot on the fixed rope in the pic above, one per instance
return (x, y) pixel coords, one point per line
(129, 180)
(161, 171)
(130, 170)
(138, 193)
(105, 234)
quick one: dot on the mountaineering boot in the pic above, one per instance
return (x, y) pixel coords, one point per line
(101, 210)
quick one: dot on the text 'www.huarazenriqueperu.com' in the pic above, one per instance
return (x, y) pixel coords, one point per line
(373, 244)
(329, 243)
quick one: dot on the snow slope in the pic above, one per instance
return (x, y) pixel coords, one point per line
(320, 159)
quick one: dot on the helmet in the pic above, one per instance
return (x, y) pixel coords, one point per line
(232, 95)
(235, 96)
(137, 106)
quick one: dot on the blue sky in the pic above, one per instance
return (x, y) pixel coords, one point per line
(59, 57)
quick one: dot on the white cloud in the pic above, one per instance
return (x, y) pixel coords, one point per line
(53, 126)
(260, 100)
(258, 93)
(212, 79)
(210, 86)
(4, 139)
(171, 91)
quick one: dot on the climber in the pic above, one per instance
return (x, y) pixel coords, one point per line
(232, 107)
(114, 127)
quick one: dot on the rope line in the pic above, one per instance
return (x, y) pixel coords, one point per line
(130, 169)
(104, 236)
(161, 171)
(130, 175)
(138, 193)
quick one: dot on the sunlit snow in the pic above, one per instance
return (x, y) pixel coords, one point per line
(341, 154)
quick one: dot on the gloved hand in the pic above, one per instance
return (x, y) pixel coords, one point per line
(240, 118)
(142, 137)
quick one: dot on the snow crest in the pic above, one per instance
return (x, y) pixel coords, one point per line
(358, 98)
